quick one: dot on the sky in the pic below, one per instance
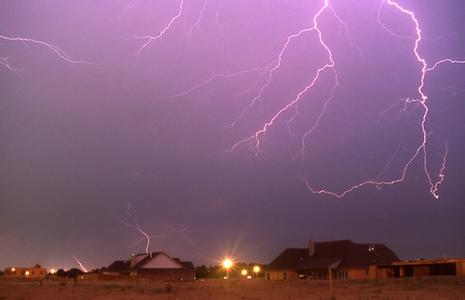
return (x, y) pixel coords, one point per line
(104, 134)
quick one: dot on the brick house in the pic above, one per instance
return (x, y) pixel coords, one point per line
(156, 265)
(343, 259)
(36, 272)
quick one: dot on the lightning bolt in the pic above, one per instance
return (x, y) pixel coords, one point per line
(256, 139)
(421, 149)
(55, 49)
(135, 224)
(329, 65)
(199, 19)
(81, 265)
(4, 62)
(217, 16)
(149, 38)
(213, 78)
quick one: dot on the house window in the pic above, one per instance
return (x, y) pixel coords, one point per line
(285, 275)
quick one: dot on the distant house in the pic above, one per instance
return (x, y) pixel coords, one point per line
(343, 259)
(36, 272)
(156, 265)
(421, 268)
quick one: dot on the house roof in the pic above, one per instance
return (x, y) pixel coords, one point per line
(119, 266)
(147, 258)
(335, 254)
(143, 263)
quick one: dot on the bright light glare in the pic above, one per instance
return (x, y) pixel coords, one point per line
(53, 271)
(227, 263)
(27, 273)
(256, 269)
(244, 272)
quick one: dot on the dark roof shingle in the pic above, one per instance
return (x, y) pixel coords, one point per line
(337, 254)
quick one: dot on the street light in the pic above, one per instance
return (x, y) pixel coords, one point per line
(244, 272)
(227, 264)
(256, 269)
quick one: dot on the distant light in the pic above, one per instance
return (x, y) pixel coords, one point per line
(27, 273)
(248, 277)
(225, 277)
(244, 272)
(13, 269)
(256, 269)
(53, 271)
(227, 263)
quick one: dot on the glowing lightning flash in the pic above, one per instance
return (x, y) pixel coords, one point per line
(330, 65)
(422, 101)
(81, 265)
(55, 49)
(150, 38)
(135, 224)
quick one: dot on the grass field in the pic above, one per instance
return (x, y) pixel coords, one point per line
(420, 288)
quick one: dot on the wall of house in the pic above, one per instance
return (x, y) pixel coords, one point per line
(32, 273)
(167, 274)
(421, 270)
(460, 268)
(281, 275)
(358, 274)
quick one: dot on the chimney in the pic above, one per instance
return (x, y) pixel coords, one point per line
(133, 261)
(311, 247)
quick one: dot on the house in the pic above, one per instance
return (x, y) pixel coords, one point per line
(342, 259)
(421, 268)
(156, 265)
(36, 272)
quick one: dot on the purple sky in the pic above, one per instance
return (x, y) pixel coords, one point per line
(81, 141)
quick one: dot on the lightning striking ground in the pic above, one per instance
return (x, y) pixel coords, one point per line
(81, 265)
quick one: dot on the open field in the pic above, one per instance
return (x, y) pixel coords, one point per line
(420, 288)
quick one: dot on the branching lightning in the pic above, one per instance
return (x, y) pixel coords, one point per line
(4, 61)
(216, 77)
(149, 38)
(256, 138)
(196, 25)
(421, 150)
(135, 224)
(55, 49)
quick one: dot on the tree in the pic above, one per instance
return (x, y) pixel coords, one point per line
(201, 272)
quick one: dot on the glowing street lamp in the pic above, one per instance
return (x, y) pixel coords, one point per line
(13, 269)
(53, 271)
(256, 269)
(27, 273)
(227, 264)
(244, 272)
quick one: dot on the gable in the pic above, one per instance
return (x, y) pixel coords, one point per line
(161, 261)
